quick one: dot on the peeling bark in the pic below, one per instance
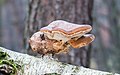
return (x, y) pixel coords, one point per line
(47, 64)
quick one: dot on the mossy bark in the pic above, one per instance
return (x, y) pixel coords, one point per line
(48, 65)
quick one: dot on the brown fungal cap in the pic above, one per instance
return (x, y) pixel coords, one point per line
(62, 30)
(83, 41)
(35, 41)
(41, 44)
(66, 28)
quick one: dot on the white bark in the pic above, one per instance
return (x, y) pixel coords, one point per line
(46, 64)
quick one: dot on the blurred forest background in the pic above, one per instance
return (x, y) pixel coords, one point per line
(105, 53)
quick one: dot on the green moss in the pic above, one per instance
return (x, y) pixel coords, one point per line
(3, 55)
(8, 65)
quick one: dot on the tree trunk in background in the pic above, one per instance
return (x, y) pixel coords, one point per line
(12, 23)
(107, 29)
(42, 12)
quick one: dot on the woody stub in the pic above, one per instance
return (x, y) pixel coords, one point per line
(59, 35)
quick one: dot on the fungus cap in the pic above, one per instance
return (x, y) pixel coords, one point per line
(62, 30)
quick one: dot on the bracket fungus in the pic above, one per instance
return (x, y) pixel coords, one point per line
(59, 35)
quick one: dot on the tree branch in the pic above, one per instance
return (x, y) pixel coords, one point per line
(44, 65)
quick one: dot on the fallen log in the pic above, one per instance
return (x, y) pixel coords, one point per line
(47, 65)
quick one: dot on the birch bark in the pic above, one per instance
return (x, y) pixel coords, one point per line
(44, 65)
